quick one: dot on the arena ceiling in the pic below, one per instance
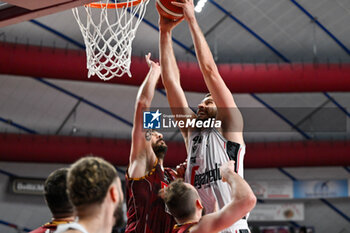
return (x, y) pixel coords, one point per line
(250, 33)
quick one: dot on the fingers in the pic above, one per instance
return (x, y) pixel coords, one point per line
(231, 163)
(187, 7)
(226, 169)
(183, 1)
(178, 4)
(178, 21)
(148, 59)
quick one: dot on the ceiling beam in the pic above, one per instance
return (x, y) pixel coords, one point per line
(315, 20)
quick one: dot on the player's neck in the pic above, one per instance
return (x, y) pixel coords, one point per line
(184, 222)
(96, 220)
(194, 218)
(66, 219)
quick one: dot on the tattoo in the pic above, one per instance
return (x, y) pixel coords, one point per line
(148, 135)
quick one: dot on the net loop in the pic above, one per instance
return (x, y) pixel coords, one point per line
(108, 30)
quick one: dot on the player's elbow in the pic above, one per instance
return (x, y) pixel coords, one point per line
(143, 102)
(172, 85)
(246, 204)
(210, 70)
(250, 201)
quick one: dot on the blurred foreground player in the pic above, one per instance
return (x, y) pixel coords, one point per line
(146, 175)
(57, 200)
(184, 203)
(94, 189)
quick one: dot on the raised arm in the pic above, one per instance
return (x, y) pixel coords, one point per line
(141, 149)
(170, 72)
(232, 121)
(243, 201)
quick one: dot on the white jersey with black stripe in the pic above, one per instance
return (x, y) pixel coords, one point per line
(207, 151)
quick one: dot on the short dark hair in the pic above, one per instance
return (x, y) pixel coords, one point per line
(55, 193)
(89, 180)
(180, 199)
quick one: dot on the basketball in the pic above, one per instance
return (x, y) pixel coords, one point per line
(168, 10)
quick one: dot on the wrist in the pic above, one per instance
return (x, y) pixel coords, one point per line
(165, 32)
(230, 177)
(155, 69)
(192, 19)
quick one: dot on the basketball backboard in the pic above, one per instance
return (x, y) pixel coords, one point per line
(16, 11)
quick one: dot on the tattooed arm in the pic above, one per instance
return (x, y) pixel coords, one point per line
(142, 156)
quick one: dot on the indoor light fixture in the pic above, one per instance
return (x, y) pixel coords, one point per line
(200, 4)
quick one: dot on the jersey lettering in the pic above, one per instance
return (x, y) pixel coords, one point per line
(207, 177)
(197, 140)
(208, 150)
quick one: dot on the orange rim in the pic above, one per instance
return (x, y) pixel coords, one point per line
(115, 5)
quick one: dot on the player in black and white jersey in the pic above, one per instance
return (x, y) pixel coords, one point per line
(207, 148)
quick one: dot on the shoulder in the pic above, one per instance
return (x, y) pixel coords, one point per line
(185, 228)
(170, 173)
(232, 137)
(72, 231)
(130, 173)
(197, 227)
(72, 227)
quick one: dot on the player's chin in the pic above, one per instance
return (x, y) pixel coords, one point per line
(202, 117)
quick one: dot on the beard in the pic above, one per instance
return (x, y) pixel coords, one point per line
(119, 218)
(205, 115)
(160, 150)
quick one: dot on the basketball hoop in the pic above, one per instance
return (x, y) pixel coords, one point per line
(108, 32)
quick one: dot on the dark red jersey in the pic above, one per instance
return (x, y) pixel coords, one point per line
(146, 210)
(43, 229)
(184, 228)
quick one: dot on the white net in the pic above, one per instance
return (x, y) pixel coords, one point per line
(108, 35)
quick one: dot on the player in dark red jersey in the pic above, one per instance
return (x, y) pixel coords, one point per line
(57, 200)
(183, 202)
(183, 228)
(145, 175)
